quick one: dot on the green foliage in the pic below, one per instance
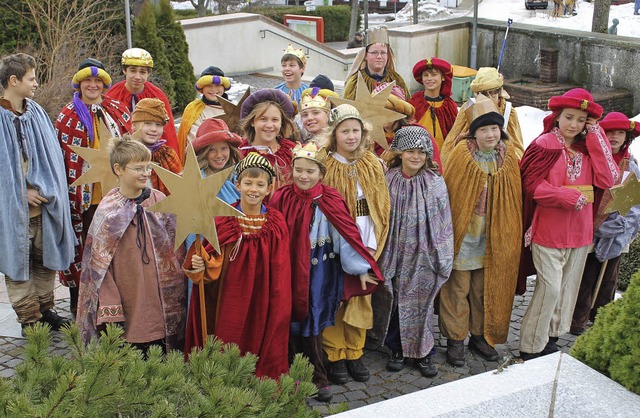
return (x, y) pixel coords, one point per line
(177, 53)
(336, 18)
(17, 33)
(186, 13)
(109, 378)
(612, 344)
(145, 36)
(629, 264)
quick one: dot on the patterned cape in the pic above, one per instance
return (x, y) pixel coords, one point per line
(465, 182)
(416, 261)
(71, 131)
(113, 216)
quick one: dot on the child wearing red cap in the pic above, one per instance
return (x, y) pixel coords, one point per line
(435, 109)
(620, 132)
(559, 170)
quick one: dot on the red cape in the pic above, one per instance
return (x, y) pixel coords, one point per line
(297, 207)
(119, 92)
(446, 113)
(255, 303)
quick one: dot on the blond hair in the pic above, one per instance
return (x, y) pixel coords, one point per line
(327, 139)
(124, 150)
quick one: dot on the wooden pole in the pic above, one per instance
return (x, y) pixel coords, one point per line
(598, 283)
(203, 310)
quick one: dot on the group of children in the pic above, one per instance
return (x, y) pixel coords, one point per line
(335, 246)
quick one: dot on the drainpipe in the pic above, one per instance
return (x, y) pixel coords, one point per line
(365, 11)
(127, 18)
(473, 54)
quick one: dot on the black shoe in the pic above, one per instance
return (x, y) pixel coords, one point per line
(324, 394)
(426, 366)
(479, 345)
(358, 370)
(396, 361)
(26, 327)
(455, 352)
(529, 356)
(52, 318)
(551, 346)
(577, 331)
(337, 372)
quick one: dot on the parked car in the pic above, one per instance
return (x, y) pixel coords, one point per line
(536, 4)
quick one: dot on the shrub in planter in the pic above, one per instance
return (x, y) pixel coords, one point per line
(629, 264)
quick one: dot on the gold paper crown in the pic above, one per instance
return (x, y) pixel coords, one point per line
(310, 152)
(482, 106)
(377, 35)
(298, 53)
(137, 57)
(316, 98)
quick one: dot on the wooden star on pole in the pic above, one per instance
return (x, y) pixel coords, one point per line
(99, 162)
(625, 195)
(231, 115)
(194, 200)
(372, 109)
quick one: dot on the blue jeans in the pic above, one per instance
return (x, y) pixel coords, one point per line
(636, 7)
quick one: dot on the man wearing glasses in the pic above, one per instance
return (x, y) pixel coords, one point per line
(488, 82)
(376, 63)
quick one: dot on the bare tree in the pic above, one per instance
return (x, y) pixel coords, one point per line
(354, 19)
(201, 6)
(600, 21)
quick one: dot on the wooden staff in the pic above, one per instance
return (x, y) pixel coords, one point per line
(599, 283)
(203, 311)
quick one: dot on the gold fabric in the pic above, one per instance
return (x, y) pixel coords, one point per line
(465, 181)
(349, 91)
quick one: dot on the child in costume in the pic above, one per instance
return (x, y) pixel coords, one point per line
(293, 63)
(81, 123)
(613, 231)
(149, 118)
(211, 84)
(418, 255)
(320, 225)
(248, 290)
(358, 175)
(485, 194)
(315, 106)
(131, 273)
(137, 65)
(559, 170)
(435, 109)
(36, 231)
(267, 123)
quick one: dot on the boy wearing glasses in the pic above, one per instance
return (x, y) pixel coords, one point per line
(131, 275)
(149, 118)
(376, 63)
(488, 82)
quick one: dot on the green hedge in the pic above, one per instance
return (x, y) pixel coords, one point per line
(336, 18)
(629, 264)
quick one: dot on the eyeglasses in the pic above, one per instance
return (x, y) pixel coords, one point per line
(140, 170)
(378, 53)
(494, 92)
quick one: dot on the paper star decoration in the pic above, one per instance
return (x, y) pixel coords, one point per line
(625, 195)
(231, 115)
(372, 110)
(100, 164)
(194, 200)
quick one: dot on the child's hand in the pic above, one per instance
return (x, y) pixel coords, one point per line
(591, 121)
(365, 278)
(197, 263)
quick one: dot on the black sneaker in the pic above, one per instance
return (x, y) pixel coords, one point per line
(529, 356)
(337, 372)
(324, 394)
(455, 352)
(358, 370)
(396, 361)
(426, 366)
(551, 347)
(52, 318)
(479, 345)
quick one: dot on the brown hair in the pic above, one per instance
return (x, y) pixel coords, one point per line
(16, 64)
(203, 163)
(323, 169)
(125, 150)
(254, 173)
(287, 127)
(328, 140)
(396, 161)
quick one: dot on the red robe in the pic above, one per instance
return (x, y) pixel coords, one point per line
(254, 303)
(280, 160)
(71, 131)
(297, 206)
(446, 114)
(119, 92)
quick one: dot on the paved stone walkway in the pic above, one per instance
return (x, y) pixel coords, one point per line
(382, 385)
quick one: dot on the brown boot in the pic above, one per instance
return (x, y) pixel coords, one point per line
(479, 345)
(455, 352)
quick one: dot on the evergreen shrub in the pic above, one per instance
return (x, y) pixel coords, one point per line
(336, 18)
(612, 345)
(629, 264)
(109, 378)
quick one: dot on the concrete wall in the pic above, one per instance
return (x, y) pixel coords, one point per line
(596, 61)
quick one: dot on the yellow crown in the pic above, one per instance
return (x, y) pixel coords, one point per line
(298, 53)
(311, 152)
(482, 106)
(316, 98)
(377, 36)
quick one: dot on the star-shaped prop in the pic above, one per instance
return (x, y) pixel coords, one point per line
(625, 195)
(100, 164)
(231, 115)
(194, 200)
(372, 110)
